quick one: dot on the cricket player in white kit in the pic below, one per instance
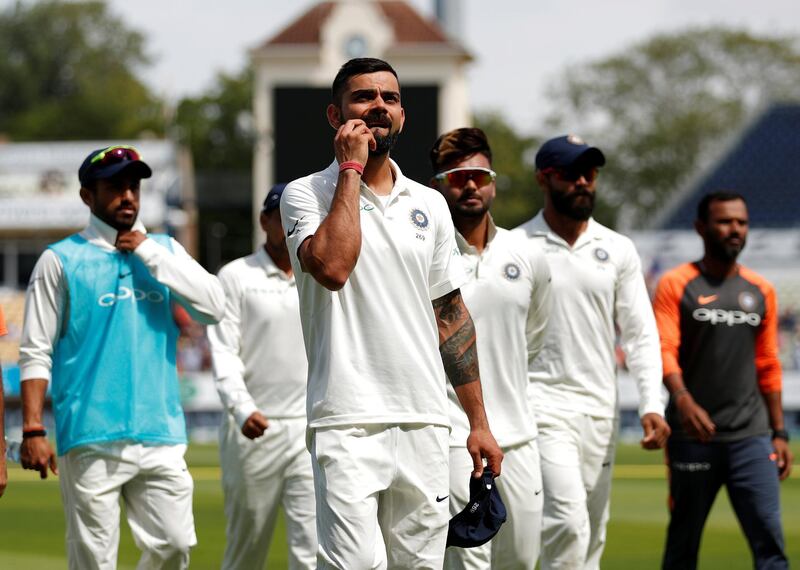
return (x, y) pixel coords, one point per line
(597, 284)
(508, 296)
(378, 271)
(260, 370)
(99, 329)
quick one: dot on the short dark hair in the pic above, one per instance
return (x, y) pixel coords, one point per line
(704, 207)
(357, 66)
(457, 145)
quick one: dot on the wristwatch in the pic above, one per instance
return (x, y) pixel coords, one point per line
(780, 434)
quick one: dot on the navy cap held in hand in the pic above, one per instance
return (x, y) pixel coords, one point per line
(481, 518)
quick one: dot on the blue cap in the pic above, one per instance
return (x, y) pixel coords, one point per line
(273, 199)
(481, 518)
(564, 152)
(91, 171)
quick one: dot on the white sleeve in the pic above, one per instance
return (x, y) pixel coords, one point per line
(225, 339)
(45, 302)
(539, 309)
(446, 272)
(194, 288)
(302, 212)
(639, 334)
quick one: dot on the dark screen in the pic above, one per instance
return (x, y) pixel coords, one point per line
(304, 139)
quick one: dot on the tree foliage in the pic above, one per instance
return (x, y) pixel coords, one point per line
(218, 126)
(68, 71)
(518, 197)
(662, 109)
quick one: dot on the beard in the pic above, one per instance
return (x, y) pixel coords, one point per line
(464, 211)
(568, 205)
(722, 250)
(383, 144)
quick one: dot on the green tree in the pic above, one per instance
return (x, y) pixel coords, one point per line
(663, 109)
(518, 197)
(68, 71)
(218, 126)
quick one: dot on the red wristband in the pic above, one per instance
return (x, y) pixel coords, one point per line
(357, 166)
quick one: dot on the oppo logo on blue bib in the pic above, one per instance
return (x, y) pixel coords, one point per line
(128, 294)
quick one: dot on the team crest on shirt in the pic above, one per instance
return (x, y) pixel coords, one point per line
(511, 271)
(747, 301)
(419, 219)
(601, 254)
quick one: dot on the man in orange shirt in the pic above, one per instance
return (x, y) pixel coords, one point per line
(719, 344)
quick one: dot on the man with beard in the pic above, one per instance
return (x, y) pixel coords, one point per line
(378, 271)
(597, 285)
(508, 296)
(260, 371)
(99, 325)
(719, 342)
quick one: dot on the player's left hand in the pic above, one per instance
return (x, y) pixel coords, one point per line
(480, 444)
(784, 457)
(255, 425)
(129, 240)
(3, 475)
(656, 431)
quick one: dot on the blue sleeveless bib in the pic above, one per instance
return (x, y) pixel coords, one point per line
(114, 370)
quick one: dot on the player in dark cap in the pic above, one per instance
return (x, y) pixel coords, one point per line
(99, 329)
(597, 286)
(260, 370)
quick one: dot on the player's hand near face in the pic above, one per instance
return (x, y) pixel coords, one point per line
(129, 240)
(353, 141)
(255, 425)
(694, 419)
(656, 431)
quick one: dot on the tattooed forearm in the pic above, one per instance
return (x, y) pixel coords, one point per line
(457, 341)
(460, 355)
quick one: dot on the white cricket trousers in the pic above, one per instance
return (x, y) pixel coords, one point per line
(516, 545)
(257, 477)
(156, 487)
(381, 496)
(577, 453)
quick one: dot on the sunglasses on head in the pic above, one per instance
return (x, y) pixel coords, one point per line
(458, 177)
(573, 174)
(117, 153)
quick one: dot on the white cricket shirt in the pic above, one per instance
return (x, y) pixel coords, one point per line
(199, 292)
(373, 346)
(257, 348)
(596, 283)
(508, 295)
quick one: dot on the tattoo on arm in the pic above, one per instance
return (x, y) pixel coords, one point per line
(457, 341)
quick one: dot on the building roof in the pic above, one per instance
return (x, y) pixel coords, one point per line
(305, 29)
(763, 166)
(409, 26)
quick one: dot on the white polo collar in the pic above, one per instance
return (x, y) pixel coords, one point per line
(467, 247)
(100, 233)
(539, 227)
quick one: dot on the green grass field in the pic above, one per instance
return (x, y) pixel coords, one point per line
(32, 522)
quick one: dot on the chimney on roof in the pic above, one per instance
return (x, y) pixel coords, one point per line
(450, 16)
